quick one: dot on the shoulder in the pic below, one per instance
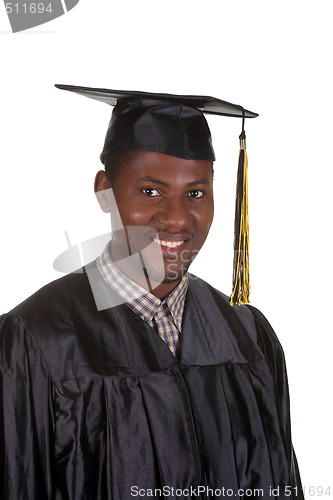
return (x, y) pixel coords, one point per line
(218, 304)
(59, 296)
(52, 308)
(51, 325)
(267, 338)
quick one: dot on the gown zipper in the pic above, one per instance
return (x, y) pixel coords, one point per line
(195, 427)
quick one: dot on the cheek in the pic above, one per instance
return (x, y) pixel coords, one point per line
(210, 214)
(204, 218)
(134, 212)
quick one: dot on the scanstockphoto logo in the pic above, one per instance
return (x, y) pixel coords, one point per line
(140, 255)
(25, 14)
(142, 260)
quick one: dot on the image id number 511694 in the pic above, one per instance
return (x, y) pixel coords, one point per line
(28, 8)
(312, 491)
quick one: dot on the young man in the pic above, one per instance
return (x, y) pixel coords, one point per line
(133, 378)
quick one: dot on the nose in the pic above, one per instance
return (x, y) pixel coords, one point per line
(174, 214)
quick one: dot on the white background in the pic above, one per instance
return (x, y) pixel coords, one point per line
(272, 58)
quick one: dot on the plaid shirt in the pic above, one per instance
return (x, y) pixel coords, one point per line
(166, 315)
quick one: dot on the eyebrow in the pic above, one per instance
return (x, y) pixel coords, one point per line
(148, 178)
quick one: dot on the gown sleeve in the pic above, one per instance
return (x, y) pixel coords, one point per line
(271, 346)
(25, 416)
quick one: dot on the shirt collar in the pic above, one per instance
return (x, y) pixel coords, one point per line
(142, 302)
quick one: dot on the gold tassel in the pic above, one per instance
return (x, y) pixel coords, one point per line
(241, 273)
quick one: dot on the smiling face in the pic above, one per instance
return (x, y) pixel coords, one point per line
(172, 196)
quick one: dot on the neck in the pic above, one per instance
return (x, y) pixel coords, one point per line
(164, 289)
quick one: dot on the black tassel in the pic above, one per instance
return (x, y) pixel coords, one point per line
(241, 272)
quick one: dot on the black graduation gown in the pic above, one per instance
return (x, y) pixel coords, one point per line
(95, 406)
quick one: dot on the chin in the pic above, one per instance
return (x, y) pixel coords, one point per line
(166, 275)
(171, 280)
(173, 276)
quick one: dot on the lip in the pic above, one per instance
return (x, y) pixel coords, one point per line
(169, 243)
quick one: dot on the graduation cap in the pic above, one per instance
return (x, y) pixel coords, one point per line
(175, 125)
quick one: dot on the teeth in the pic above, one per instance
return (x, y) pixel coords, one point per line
(169, 244)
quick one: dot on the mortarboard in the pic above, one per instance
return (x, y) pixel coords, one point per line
(176, 125)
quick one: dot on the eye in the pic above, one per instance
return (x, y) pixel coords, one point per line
(150, 192)
(196, 193)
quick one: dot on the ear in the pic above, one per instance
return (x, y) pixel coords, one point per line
(102, 188)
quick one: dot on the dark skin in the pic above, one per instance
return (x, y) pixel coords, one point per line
(172, 196)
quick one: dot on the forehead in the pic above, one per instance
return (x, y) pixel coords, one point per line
(159, 165)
